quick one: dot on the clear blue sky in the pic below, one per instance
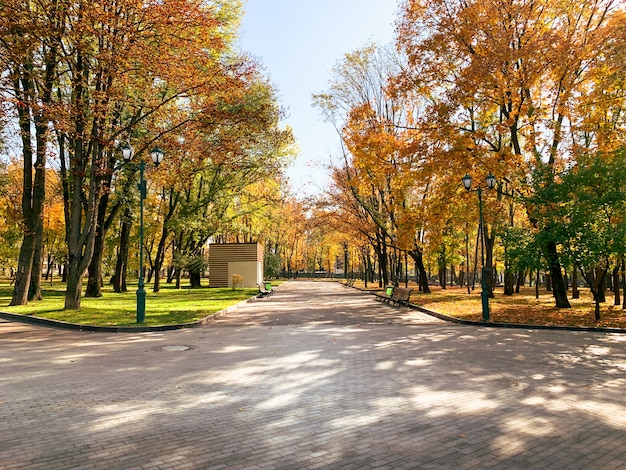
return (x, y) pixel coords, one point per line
(298, 42)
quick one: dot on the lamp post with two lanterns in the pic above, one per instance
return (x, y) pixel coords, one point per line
(157, 157)
(485, 272)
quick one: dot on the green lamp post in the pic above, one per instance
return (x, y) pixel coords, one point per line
(485, 272)
(157, 157)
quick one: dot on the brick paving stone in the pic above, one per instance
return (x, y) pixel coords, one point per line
(315, 376)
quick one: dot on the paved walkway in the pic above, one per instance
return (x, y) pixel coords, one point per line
(317, 376)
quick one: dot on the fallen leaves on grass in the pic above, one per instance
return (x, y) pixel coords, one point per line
(522, 308)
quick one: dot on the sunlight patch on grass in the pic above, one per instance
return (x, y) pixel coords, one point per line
(167, 307)
(522, 308)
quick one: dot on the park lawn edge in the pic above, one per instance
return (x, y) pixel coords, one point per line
(453, 304)
(177, 308)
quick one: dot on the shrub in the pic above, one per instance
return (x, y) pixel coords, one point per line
(237, 279)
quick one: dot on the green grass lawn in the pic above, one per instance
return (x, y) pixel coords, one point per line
(167, 307)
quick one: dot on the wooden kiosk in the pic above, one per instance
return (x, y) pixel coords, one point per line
(226, 259)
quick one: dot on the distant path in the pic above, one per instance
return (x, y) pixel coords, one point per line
(322, 302)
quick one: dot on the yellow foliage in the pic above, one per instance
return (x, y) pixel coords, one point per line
(237, 279)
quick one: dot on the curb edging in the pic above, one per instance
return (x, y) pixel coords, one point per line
(520, 326)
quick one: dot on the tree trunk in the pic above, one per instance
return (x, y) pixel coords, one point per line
(418, 258)
(174, 199)
(94, 272)
(489, 243)
(559, 291)
(80, 250)
(624, 283)
(84, 192)
(616, 290)
(537, 284)
(393, 279)
(49, 268)
(406, 270)
(601, 289)
(195, 279)
(575, 290)
(29, 217)
(74, 286)
(509, 281)
(23, 273)
(156, 287)
(520, 281)
(178, 276)
(119, 284)
(596, 279)
(94, 279)
(25, 88)
(34, 291)
(381, 252)
(80, 243)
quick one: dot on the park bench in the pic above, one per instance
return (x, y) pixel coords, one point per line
(349, 283)
(263, 291)
(398, 296)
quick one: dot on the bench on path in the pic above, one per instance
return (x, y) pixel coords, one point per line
(349, 283)
(398, 296)
(263, 291)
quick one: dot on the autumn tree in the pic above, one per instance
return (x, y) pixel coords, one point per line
(10, 214)
(287, 231)
(232, 161)
(28, 66)
(87, 71)
(588, 206)
(504, 78)
(55, 248)
(376, 169)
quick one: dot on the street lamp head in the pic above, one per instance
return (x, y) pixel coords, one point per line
(157, 155)
(127, 152)
(467, 181)
(491, 181)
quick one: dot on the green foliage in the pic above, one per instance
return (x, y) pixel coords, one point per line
(596, 229)
(271, 265)
(194, 263)
(582, 209)
(523, 250)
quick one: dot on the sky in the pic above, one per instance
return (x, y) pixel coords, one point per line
(298, 42)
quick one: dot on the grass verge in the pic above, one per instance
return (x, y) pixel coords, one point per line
(521, 308)
(170, 306)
